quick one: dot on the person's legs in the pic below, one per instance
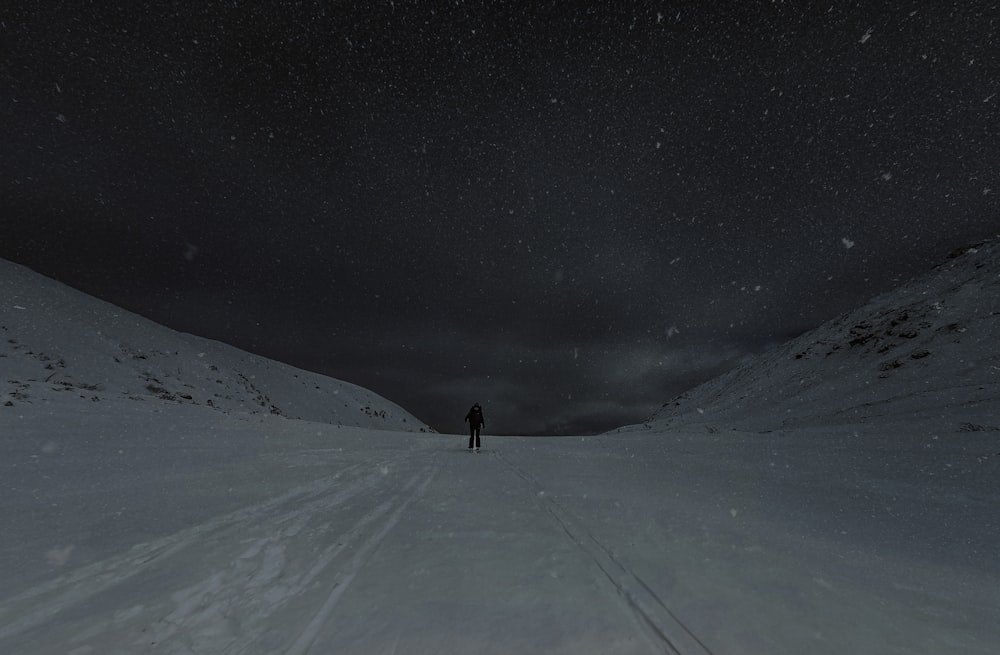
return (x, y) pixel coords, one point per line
(477, 437)
(472, 434)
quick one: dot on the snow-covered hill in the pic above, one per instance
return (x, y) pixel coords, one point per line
(927, 353)
(58, 345)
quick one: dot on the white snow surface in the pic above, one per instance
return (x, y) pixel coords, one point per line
(56, 341)
(926, 354)
(145, 522)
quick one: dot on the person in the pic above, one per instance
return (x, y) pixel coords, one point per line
(476, 421)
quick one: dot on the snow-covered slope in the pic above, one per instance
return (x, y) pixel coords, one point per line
(927, 353)
(58, 345)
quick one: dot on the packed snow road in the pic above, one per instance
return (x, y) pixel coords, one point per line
(370, 542)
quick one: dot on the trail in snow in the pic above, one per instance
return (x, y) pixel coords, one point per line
(666, 631)
(417, 486)
(360, 560)
(216, 586)
(668, 543)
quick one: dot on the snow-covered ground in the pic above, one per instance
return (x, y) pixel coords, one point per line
(264, 535)
(152, 523)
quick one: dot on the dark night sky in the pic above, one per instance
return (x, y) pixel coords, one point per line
(570, 214)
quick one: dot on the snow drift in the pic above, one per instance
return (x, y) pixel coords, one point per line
(927, 352)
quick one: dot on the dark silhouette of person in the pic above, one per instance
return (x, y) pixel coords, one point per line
(476, 421)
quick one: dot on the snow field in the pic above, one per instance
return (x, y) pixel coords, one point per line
(348, 540)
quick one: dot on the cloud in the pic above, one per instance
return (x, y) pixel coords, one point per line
(526, 385)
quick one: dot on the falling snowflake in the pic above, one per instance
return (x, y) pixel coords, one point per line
(59, 556)
(867, 35)
(847, 243)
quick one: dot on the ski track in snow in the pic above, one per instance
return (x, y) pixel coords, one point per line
(362, 555)
(665, 631)
(288, 546)
(378, 554)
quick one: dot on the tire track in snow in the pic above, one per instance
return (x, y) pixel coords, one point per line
(663, 628)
